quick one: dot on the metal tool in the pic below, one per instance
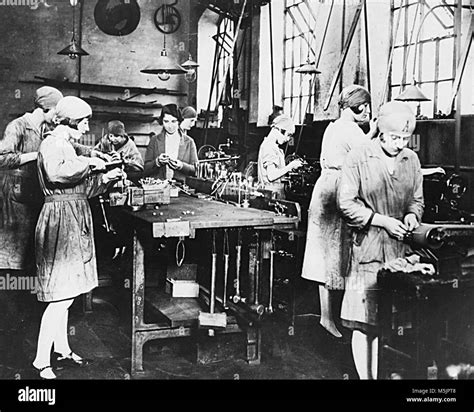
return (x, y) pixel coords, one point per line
(270, 292)
(226, 268)
(104, 214)
(238, 248)
(257, 269)
(212, 320)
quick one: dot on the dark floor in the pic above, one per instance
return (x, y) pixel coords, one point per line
(303, 352)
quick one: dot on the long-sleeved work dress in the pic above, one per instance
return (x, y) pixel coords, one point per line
(326, 251)
(367, 186)
(65, 251)
(21, 197)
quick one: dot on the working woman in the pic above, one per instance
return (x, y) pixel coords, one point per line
(64, 239)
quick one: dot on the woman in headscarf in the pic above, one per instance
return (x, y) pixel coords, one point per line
(271, 159)
(21, 196)
(65, 251)
(325, 258)
(381, 197)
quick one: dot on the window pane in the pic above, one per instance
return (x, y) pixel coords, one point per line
(428, 61)
(288, 77)
(446, 58)
(427, 107)
(444, 96)
(397, 66)
(399, 34)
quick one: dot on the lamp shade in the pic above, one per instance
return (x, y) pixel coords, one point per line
(163, 65)
(189, 64)
(308, 68)
(412, 94)
(73, 50)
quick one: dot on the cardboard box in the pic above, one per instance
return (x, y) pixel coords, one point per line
(182, 288)
(159, 196)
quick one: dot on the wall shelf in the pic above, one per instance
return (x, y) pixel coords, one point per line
(102, 87)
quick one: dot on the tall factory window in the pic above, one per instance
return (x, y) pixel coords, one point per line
(299, 48)
(424, 52)
(215, 62)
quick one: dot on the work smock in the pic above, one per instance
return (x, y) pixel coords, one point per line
(21, 196)
(326, 251)
(64, 238)
(367, 186)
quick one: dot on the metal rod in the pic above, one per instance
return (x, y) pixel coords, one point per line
(367, 50)
(344, 54)
(389, 64)
(270, 299)
(213, 283)
(457, 115)
(271, 51)
(257, 269)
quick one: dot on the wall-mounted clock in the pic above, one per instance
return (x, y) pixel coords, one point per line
(117, 17)
(167, 18)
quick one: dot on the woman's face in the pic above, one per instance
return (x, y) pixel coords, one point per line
(364, 115)
(188, 124)
(170, 123)
(393, 143)
(117, 140)
(284, 135)
(83, 126)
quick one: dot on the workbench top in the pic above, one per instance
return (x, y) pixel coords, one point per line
(185, 214)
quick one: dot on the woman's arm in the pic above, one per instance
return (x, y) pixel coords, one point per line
(60, 162)
(10, 158)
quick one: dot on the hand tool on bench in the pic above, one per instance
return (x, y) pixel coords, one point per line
(256, 306)
(212, 320)
(270, 292)
(238, 249)
(226, 267)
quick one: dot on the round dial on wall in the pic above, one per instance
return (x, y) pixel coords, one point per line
(117, 17)
(167, 19)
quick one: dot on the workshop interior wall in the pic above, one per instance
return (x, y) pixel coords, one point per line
(31, 39)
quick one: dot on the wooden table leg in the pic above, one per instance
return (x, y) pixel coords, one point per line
(138, 303)
(254, 341)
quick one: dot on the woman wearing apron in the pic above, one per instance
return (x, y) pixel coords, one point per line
(325, 258)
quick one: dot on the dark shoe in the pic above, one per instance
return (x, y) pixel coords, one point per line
(68, 361)
(46, 372)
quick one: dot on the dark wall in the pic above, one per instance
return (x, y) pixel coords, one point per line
(31, 38)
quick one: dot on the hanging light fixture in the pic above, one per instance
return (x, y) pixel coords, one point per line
(165, 66)
(73, 49)
(308, 68)
(190, 66)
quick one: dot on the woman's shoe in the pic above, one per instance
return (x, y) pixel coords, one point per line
(70, 360)
(46, 372)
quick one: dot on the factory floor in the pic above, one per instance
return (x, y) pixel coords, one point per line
(306, 351)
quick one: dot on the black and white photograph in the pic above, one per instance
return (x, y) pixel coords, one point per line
(236, 199)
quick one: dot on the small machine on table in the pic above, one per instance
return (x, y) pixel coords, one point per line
(425, 318)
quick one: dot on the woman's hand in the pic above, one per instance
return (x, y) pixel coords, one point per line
(113, 175)
(115, 157)
(96, 164)
(162, 159)
(411, 222)
(100, 155)
(295, 164)
(175, 164)
(394, 227)
(372, 127)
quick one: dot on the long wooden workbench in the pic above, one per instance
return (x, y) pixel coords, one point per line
(182, 218)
